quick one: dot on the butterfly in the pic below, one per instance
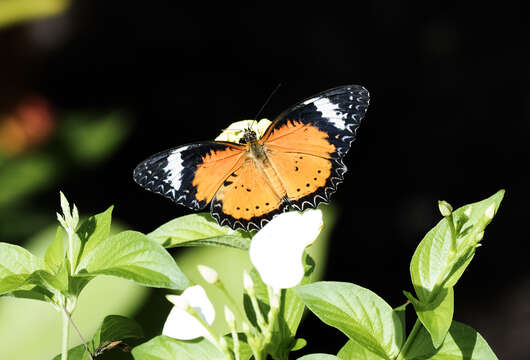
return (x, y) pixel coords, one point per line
(297, 163)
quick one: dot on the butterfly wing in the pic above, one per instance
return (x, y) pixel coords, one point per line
(191, 174)
(307, 142)
(247, 199)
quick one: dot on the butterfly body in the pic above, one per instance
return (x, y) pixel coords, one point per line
(296, 163)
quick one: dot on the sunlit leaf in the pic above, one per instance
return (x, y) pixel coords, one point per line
(199, 230)
(131, 255)
(16, 265)
(163, 347)
(462, 342)
(358, 312)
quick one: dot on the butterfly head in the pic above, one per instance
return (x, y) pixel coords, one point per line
(249, 136)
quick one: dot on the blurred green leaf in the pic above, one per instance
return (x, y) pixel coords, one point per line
(163, 347)
(91, 137)
(16, 266)
(131, 255)
(22, 176)
(13, 11)
(199, 230)
(358, 312)
(462, 342)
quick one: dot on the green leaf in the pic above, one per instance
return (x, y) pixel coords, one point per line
(299, 344)
(462, 342)
(292, 306)
(435, 264)
(353, 351)
(245, 352)
(94, 230)
(357, 312)
(319, 357)
(131, 255)
(199, 230)
(54, 256)
(90, 137)
(36, 293)
(76, 353)
(22, 10)
(48, 281)
(114, 328)
(437, 315)
(16, 265)
(163, 347)
(400, 312)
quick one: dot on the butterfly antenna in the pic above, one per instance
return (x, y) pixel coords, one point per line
(267, 101)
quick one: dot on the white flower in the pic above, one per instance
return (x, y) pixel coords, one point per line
(236, 130)
(180, 323)
(276, 250)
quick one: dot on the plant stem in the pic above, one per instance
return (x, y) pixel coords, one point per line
(66, 330)
(65, 313)
(410, 340)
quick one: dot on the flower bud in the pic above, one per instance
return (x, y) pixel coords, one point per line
(248, 284)
(229, 316)
(445, 208)
(208, 274)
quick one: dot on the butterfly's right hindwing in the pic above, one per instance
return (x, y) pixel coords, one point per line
(189, 174)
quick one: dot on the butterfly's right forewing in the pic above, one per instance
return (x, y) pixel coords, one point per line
(191, 174)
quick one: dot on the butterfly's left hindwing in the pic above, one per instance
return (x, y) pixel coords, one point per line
(191, 174)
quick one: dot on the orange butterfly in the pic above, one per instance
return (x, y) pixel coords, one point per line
(296, 163)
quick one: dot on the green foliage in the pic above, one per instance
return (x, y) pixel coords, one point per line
(319, 357)
(441, 258)
(16, 266)
(163, 347)
(199, 230)
(354, 351)
(358, 313)
(375, 331)
(132, 255)
(90, 137)
(14, 11)
(378, 332)
(461, 342)
(110, 334)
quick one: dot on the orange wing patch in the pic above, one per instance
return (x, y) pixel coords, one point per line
(247, 197)
(294, 136)
(301, 174)
(216, 166)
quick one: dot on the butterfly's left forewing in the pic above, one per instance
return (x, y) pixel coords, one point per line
(307, 142)
(191, 174)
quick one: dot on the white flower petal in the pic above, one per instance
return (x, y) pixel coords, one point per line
(182, 325)
(276, 250)
(235, 131)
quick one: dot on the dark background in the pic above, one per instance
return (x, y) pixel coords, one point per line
(448, 119)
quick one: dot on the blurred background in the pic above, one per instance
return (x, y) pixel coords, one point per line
(90, 88)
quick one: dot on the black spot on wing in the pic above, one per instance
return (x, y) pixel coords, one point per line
(170, 173)
(323, 193)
